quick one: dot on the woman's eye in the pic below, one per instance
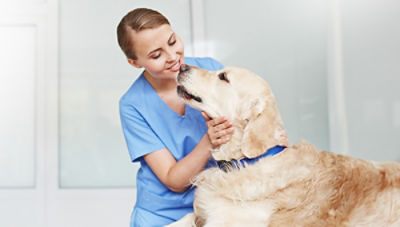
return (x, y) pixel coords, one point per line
(156, 56)
(222, 76)
(172, 43)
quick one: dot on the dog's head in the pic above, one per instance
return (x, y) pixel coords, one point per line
(244, 98)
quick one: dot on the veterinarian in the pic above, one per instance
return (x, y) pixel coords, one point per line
(170, 140)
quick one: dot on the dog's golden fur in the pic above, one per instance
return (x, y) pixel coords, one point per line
(301, 186)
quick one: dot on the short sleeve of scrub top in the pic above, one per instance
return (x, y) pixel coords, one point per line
(149, 125)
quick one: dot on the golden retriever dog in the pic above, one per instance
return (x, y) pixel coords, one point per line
(299, 186)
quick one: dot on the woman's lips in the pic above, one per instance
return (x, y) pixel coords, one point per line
(175, 67)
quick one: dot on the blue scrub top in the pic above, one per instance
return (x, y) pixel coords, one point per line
(149, 124)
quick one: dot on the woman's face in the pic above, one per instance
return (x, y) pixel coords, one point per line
(159, 51)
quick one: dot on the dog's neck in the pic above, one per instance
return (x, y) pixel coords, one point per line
(256, 120)
(253, 135)
(232, 150)
(226, 166)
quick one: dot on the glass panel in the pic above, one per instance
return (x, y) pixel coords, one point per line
(93, 76)
(286, 45)
(372, 83)
(20, 3)
(17, 98)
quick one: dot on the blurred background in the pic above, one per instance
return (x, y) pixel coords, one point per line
(334, 66)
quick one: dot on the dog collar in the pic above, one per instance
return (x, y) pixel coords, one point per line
(227, 165)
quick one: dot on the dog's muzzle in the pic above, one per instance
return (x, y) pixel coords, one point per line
(182, 72)
(186, 95)
(182, 92)
(184, 68)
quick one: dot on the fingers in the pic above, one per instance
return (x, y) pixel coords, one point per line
(205, 115)
(218, 142)
(223, 132)
(219, 131)
(219, 122)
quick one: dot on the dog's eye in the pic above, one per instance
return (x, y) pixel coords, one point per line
(222, 76)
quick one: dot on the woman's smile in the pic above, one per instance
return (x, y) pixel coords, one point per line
(175, 67)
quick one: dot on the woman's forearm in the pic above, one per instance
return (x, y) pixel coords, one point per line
(180, 175)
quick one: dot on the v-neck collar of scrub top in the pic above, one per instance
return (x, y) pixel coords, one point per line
(161, 103)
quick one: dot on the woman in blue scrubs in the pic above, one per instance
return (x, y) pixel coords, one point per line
(171, 140)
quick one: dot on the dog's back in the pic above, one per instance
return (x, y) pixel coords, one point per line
(302, 187)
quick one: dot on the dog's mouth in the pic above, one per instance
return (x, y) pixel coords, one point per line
(182, 92)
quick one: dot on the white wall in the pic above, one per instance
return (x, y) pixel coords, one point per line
(333, 66)
(371, 68)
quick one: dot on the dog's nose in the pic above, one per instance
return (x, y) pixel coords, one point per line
(184, 68)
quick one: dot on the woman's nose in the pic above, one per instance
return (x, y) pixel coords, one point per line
(171, 53)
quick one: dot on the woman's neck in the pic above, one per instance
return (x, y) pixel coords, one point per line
(166, 89)
(161, 85)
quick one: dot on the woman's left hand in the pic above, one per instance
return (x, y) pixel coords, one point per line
(219, 130)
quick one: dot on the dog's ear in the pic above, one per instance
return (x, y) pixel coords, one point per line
(251, 107)
(264, 128)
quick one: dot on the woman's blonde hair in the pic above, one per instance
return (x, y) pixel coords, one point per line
(137, 20)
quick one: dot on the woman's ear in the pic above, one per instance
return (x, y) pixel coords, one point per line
(134, 63)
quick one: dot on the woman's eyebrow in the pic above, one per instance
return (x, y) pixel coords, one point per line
(158, 49)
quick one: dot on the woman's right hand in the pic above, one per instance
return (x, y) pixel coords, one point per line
(219, 130)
